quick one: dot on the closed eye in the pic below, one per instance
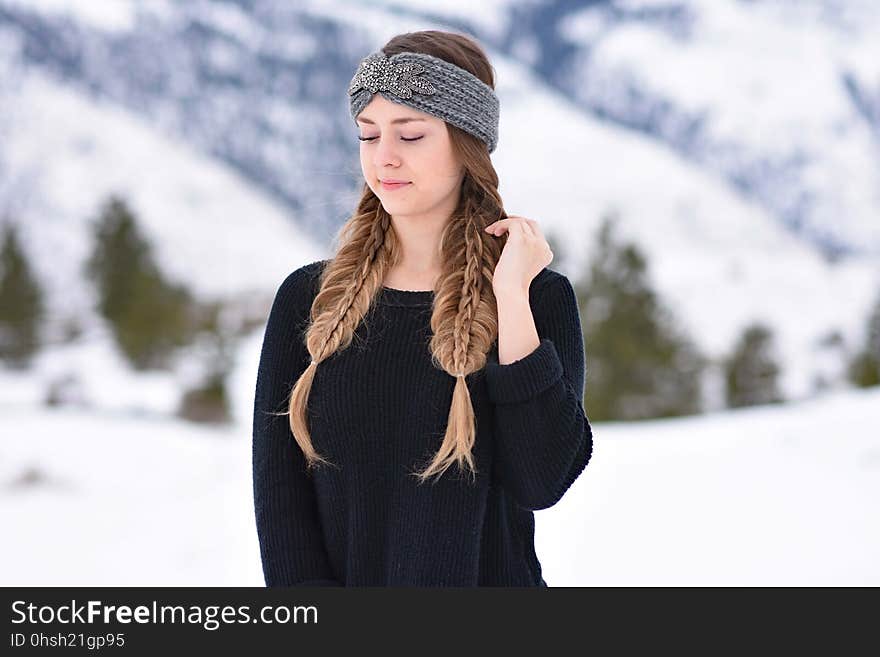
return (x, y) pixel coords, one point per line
(403, 138)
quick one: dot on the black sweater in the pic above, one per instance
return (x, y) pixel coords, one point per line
(378, 409)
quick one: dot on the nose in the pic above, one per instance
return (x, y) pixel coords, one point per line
(385, 154)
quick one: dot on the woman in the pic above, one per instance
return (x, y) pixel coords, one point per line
(431, 371)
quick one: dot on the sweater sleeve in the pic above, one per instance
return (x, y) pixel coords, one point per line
(291, 542)
(543, 436)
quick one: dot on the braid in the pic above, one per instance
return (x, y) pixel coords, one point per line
(464, 320)
(460, 339)
(347, 288)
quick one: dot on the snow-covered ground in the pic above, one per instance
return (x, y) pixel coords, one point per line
(764, 496)
(782, 496)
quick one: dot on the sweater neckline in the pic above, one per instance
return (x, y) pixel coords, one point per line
(417, 298)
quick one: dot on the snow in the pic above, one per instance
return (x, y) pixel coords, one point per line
(109, 15)
(776, 496)
(220, 244)
(768, 79)
(719, 261)
(491, 17)
(128, 501)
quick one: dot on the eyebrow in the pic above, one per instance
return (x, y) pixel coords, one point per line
(364, 119)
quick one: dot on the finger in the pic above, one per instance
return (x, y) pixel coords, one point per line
(496, 227)
(518, 228)
(524, 225)
(528, 227)
(495, 224)
(504, 223)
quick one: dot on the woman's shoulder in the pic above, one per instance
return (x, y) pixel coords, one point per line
(302, 281)
(552, 295)
(546, 279)
(311, 270)
(298, 289)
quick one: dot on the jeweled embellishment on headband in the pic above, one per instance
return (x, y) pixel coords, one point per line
(378, 73)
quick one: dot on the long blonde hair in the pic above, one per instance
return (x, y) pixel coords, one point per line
(464, 314)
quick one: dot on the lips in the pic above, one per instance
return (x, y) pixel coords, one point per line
(392, 184)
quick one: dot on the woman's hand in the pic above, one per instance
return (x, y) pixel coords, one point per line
(524, 255)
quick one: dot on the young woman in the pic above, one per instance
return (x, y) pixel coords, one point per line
(420, 393)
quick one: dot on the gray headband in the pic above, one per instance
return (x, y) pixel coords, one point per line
(431, 85)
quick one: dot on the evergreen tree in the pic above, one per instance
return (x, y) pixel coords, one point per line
(639, 365)
(750, 373)
(209, 401)
(864, 369)
(21, 303)
(148, 315)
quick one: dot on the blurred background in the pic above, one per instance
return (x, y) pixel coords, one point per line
(708, 175)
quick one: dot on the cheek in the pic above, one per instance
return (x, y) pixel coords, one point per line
(367, 171)
(447, 164)
(435, 165)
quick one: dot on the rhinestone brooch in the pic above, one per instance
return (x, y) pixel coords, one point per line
(378, 73)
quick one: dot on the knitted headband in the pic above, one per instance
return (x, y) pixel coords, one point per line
(431, 85)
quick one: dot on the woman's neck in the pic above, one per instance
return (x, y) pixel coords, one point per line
(400, 278)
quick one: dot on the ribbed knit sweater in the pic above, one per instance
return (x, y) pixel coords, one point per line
(378, 410)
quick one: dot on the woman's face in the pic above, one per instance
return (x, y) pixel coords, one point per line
(404, 144)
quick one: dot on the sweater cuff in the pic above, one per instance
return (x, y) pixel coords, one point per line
(525, 378)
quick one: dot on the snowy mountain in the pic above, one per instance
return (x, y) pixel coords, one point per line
(171, 102)
(779, 100)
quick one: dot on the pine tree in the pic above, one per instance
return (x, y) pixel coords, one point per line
(21, 303)
(864, 369)
(148, 315)
(639, 365)
(209, 400)
(750, 373)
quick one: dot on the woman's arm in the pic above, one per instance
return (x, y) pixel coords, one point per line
(291, 542)
(543, 437)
